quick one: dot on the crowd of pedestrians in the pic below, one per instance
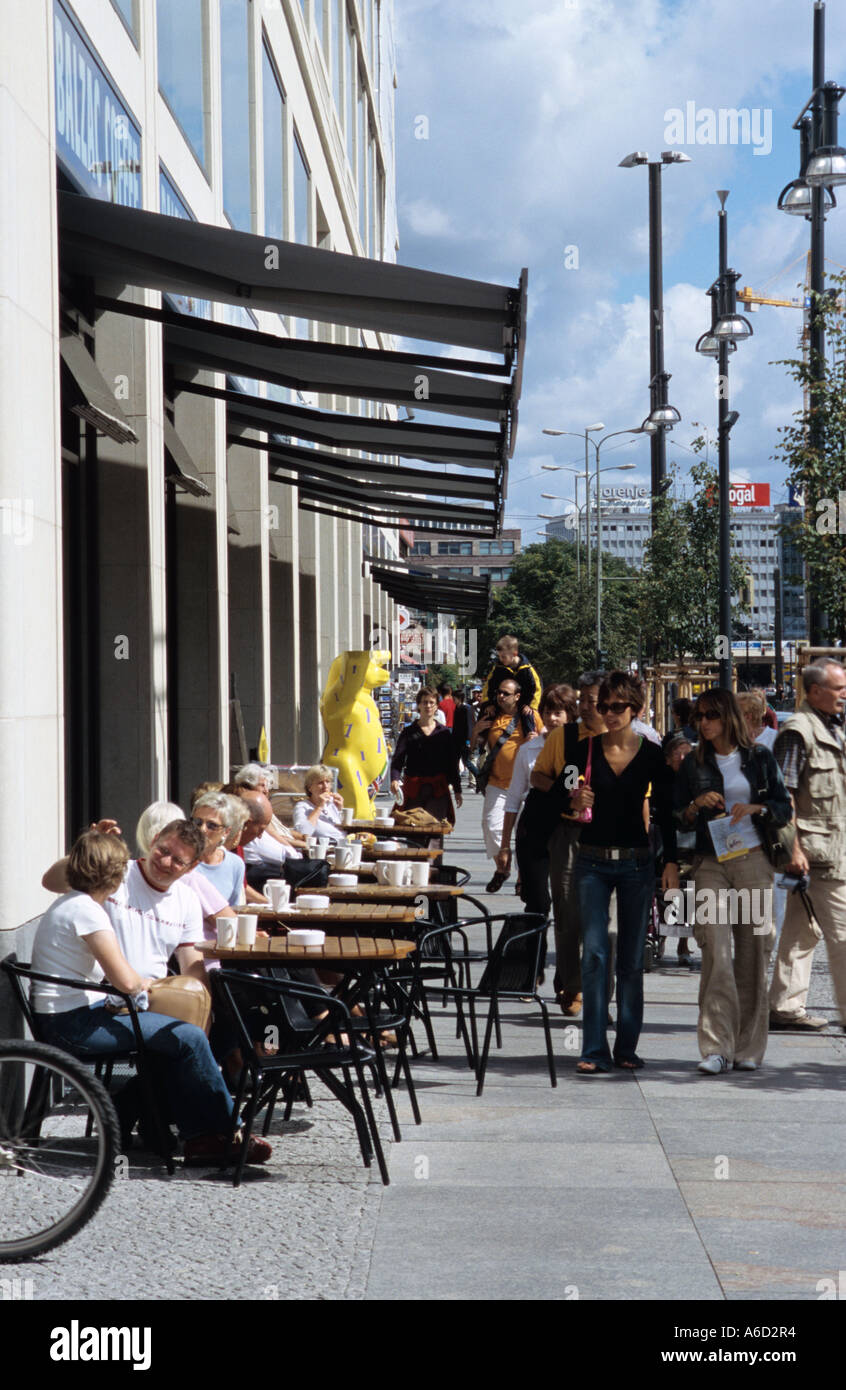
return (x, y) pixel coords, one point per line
(724, 825)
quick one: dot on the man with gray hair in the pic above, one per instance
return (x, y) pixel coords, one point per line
(811, 751)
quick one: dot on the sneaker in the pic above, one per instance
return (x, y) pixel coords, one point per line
(746, 1064)
(802, 1022)
(713, 1065)
(208, 1150)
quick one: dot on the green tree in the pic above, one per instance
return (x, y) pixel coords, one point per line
(554, 617)
(679, 596)
(442, 674)
(813, 450)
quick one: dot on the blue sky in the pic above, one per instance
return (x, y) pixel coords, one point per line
(530, 107)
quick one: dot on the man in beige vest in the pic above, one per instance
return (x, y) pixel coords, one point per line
(811, 752)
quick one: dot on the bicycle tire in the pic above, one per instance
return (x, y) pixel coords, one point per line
(40, 1174)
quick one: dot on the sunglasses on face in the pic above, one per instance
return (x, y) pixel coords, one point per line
(707, 714)
(508, 694)
(612, 707)
(207, 824)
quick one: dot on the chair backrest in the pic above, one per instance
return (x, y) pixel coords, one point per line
(258, 1003)
(18, 973)
(514, 963)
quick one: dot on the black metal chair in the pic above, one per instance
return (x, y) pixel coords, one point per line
(20, 972)
(510, 973)
(301, 1045)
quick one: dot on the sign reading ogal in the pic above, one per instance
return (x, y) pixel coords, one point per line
(97, 140)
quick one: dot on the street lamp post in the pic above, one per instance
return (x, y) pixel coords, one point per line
(553, 497)
(823, 166)
(588, 430)
(727, 328)
(658, 378)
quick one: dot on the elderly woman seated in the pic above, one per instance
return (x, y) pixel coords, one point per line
(320, 814)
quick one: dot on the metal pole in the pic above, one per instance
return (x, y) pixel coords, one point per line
(658, 445)
(779, 656)
(723, 451)
(816, 334)
(587, 505)
(597, 447)
(578, 532)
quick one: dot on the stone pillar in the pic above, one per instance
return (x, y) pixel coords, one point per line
(310, 738)
(248, 637)
(285, 645)
(31, 639)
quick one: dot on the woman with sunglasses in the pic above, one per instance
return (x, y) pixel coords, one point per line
(728, 774)
(616, 770)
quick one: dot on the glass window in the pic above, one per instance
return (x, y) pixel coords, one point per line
(318, 21)
(182, 67)
(422, 548)
(302, 178)
(508, 547)
(362, 153)
(274, 151)
(235, 112)
(349, 77)
(125, 10)
(337, 60)
(374, 27)
(484, 547)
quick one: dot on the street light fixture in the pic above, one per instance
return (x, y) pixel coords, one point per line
(658, 399)
(588, 431)
(823, 165)
(728, 327)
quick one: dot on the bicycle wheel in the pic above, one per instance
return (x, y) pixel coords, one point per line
(59, 1137)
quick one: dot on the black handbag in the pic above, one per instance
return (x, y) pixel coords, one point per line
(778, 843)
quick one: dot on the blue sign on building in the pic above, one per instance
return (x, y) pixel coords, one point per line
(98, 142)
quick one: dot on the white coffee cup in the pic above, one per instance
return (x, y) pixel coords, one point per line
(390, 845)
(392, 872)
(418, 872)
(347, 815)
(227, 928)
(321, 848)
(247, 925)
(343, 856)
(280, 893)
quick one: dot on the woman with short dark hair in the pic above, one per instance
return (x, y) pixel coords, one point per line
(615, 771)
(426, 759)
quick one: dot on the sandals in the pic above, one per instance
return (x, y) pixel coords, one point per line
(496, 882)
(629, 1063)
(591, 1069)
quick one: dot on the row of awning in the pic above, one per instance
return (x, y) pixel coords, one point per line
(449, 472)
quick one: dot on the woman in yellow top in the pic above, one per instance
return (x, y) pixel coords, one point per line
(502, 735)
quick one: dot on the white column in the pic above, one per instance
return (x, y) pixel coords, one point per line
(31, 685)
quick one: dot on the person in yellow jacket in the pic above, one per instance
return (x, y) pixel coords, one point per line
(511, 665)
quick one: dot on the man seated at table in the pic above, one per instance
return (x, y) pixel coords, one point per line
(264, 856)
(152, 916)
(254, 777)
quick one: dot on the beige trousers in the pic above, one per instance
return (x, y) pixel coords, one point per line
(733, 1007)
(799, 937)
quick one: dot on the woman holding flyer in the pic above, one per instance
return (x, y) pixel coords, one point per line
(727, 788)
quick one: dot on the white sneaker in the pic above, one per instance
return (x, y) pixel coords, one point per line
(746, 1064)
(713, 1065)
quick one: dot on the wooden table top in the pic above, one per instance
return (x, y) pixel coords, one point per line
(367, 893)
(278, 951)
(353, 914)
(392, 832)
(370, 853)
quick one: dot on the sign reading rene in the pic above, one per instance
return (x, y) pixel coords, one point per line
(97, 140)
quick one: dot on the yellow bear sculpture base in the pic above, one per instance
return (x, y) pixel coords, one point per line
(355, 742)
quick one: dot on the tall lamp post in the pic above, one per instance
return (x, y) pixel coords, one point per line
(597, 444)
(823, 166)
(727, 329)
(658, 378)
(553, 497)
(588, 431)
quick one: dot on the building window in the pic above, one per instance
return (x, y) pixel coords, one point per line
(349, 78)
(235, 112)
(362, 157)
(125, 9)
(421, 548)
(302, 180)
(508, 547)
(273, 103)
(183, 61)
(318, 22)
(337, 58)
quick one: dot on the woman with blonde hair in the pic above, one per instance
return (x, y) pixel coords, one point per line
(728, 777)
(320, 813)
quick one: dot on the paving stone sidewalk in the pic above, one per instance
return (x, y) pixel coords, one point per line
(660, 1185)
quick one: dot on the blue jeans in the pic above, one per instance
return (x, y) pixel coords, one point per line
(196, 1094)
(596, 879)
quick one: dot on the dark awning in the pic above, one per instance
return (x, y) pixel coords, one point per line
(432, 594)
(186, 470)
(471, 448)
(88, 393)
(177, 255)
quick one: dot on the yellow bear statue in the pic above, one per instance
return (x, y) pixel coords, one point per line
(355, 742)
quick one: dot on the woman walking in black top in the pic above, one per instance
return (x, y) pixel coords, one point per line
(616, 770)
(426, 757)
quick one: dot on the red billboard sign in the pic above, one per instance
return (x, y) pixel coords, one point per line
(749, 495)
